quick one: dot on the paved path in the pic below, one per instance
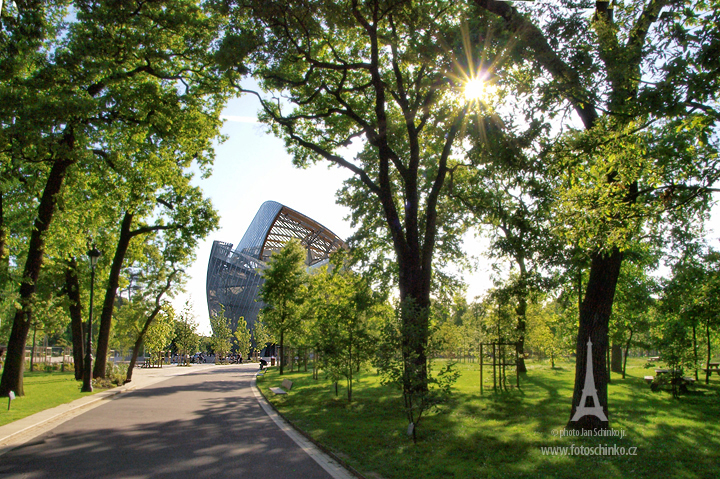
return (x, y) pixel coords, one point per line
(208, 423)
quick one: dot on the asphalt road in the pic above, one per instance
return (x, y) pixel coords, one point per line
(204, 424)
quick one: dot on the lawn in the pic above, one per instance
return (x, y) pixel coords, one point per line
(501, 434)
(43, 390)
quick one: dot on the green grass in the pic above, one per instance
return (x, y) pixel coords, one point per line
(43, 390)
(501, 434)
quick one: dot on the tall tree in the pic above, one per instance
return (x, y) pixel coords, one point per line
(283, 292)
(114, 77)
(188, 218)
(642, 81)
(382, 73)
(508, 196)
(72, 289)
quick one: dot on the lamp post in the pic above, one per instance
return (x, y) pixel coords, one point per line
(93, 254)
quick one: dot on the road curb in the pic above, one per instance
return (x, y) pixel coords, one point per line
(345, 471)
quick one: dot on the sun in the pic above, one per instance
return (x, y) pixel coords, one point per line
(474, 89)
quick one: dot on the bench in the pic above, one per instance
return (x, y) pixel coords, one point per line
(655, 358)
(649, 379)
(709, 371)
(287, 384)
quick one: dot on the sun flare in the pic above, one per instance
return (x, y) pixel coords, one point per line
(474, 89)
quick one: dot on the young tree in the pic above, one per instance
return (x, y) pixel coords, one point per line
(186, 337)
(261, 335)
(158, 336)
(221, 335)
(691, 298)
(243, 337)
(631, 309)
(551, 331)
(284, 291)
(343, 310)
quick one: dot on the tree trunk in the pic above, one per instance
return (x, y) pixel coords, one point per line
(282, 350)
(695, 351)
(616, 360)
(140, 338)
(709, 351)
(521, 311)
(350, 367)
(32, 351)
(594, 318)
(12, 377)
(110, 294)
(72, 288)
(627, 350)
(414, 342)
(4, 253)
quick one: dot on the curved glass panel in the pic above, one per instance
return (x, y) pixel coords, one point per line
(233, 276)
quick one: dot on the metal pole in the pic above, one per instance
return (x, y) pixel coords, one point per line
(481, 366)
(87, 373)
(517, 363)
(494, 368)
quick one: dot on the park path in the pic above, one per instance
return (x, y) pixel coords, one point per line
(209, 423)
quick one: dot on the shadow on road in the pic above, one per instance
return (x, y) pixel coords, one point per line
(205, 424)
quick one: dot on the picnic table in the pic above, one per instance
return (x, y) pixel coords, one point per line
(713, 367)
(655, 358)
(660, 378)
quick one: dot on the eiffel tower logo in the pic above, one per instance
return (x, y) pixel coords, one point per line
(589, 390)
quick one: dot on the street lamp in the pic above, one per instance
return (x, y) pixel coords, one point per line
(93, 254)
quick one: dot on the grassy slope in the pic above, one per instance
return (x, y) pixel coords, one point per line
(500, 435)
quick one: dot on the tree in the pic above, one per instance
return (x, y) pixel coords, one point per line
(343, 309)
(551, 331)
(261, 335)
(159, 334)
(186, 214)
(243, 337)
(283, 292)
(108, 93)
(186, 337)
(631, 311)
(643, 85)
(507, 194)
(221, 335)
(690, 301)
(386, 75)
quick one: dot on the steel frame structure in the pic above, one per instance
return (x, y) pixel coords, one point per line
(234, 276)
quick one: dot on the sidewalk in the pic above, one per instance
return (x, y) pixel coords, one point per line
(27, 428)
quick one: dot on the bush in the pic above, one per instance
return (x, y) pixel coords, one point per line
(116, 373)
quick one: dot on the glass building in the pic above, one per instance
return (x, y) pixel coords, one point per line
(233, 276)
